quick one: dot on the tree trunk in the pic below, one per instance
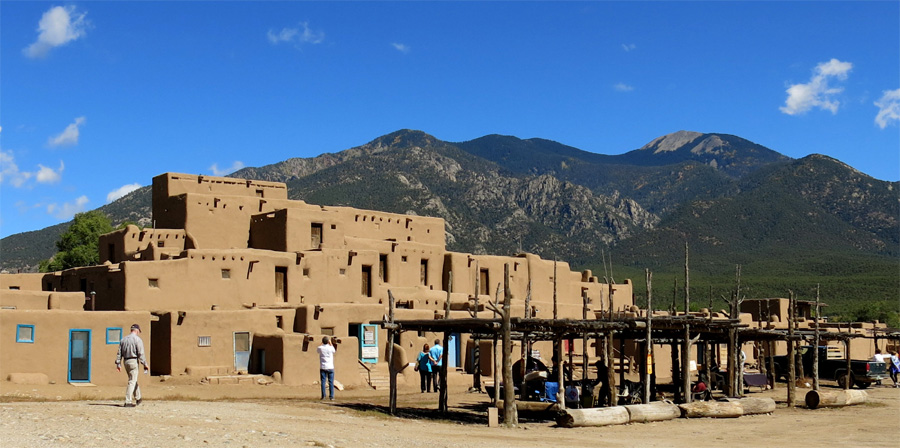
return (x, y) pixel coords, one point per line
(573, 418)
(654, 412)
(823, 399)
(510, 416)
(755, 405)
(713, 409)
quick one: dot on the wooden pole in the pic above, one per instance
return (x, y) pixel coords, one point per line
(510, 414)
(585, 357)
(610, 369)
(686, 344)
(815, 366)
(526, 343)
(792, 362)
(648, 345)
(496, 372)
(731, 392)
(390, 347)
(560, 375)
(442, 398)
(555, 311)
(849, 381)
(476, 350)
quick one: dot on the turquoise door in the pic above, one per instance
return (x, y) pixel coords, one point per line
(368, 343)
(79, 356)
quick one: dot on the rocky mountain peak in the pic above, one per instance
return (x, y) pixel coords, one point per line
(671, 142)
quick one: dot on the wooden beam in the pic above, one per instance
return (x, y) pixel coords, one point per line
(390, 347)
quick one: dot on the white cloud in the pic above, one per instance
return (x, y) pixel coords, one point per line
(888, 108)
(68, 209)
(221, 172)
(628, 47)
(47, 175)
(622, 87)
(121, 191)
(817, 92)
(403, 48)
(69, 136)
(58, 26)
(300, 35)
(9, 170)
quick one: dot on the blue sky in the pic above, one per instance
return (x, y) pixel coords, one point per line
(99, 97)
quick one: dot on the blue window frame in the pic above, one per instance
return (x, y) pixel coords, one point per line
(113, 335)
(25, 333)
(79, 355)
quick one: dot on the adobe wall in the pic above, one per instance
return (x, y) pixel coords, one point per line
(41, 300)
(295, 356)
(174, 184)
(227, 279)
(132, 242)
(106, 281)
(22, 282)
(49, 353)
(182, 330)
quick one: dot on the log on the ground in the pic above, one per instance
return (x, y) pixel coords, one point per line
(573, 418)
(822, 398)
(712, 409)
(755, 405)
(531, 406)
(652, 412)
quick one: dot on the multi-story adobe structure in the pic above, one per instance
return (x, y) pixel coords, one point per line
(236, 277)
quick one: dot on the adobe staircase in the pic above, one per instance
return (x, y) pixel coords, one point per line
(376, 378)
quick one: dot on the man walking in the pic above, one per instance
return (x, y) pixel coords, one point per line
(326, 366)
(131, 348)
(437, 357)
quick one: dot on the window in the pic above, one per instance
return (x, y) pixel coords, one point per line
(113, 335)
(204, 341)
(383, 268)
(226, 273)
(153, 282)
(328, 331)
(160, 244)
(14, 288)
(423, 272)
(281, 286)
(25, 333)
(484, 282)
(315, 235)
(306, 272)
(366, 281)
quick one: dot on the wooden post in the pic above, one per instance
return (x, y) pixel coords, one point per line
(560, 375)
(555, 312)
(510, 414)
(476, 350)
(610, 369)
(526, 345)
(792, 362)
(815, 366)
(732, 363)
(496, 372)
(648, 345)
(849, 381)
(390, 346)
(585, 358)
(770, 350)
(676, 369)
(686, 344)
(442, 398)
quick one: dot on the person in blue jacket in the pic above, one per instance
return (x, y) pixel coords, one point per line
(423, 366)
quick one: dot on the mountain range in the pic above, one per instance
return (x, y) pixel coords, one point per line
(733, 201)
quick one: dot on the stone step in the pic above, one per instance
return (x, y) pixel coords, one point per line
(237, 379)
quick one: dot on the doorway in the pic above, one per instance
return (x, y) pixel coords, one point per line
(241, 351)
(79, 356)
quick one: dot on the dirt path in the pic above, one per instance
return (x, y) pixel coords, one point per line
(250, 416)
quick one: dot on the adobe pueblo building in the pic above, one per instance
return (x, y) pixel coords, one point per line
(235, 277)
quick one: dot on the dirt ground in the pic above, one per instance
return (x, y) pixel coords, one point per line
(190, 415)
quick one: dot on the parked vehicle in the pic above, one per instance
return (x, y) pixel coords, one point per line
(862, 373)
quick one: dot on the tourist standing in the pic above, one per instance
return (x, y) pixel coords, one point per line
(894, 367)
(131, 348)
(423, 365)
(326, 366)
(437, 360)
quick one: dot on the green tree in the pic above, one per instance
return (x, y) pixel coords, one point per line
(79, 245)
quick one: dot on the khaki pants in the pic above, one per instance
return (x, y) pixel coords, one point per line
(133, 370)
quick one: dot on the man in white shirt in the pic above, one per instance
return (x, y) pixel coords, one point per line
(326, 366)
(878, 356)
